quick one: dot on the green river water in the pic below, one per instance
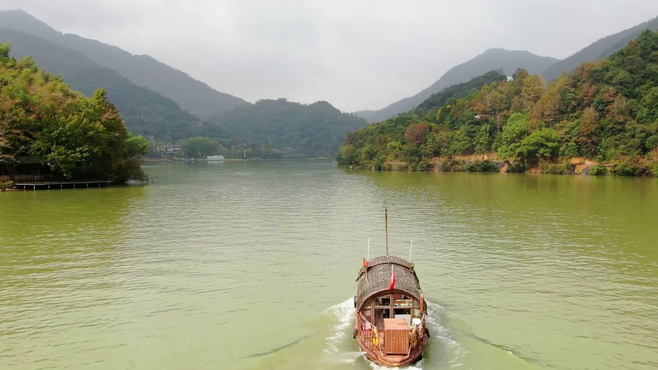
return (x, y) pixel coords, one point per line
(253, 266)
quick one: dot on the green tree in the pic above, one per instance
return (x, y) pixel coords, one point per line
(542, 144)
(514, 132)
(199, 147)
(75, 135)
(137, 145)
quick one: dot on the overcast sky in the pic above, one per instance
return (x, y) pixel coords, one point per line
(356, 54)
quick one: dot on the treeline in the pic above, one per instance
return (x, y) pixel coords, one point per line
(76, 136)
(605, 112)
(201, 147)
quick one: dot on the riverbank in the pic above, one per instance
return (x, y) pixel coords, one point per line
(150, 160)
(490, 162)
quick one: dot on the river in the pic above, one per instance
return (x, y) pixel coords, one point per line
(253, 266)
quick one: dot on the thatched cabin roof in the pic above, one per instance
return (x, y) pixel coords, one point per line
(377, 278)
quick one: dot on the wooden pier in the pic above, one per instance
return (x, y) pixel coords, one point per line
(60, 185)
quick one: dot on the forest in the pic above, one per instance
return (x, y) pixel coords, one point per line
(76, 136)
(604, 114)
(279, 128)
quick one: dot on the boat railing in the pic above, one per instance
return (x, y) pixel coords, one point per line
(368, 333)
(417, 334)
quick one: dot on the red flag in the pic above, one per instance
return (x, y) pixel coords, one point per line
(392, 279)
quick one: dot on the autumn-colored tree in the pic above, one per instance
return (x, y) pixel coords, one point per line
(415, 134)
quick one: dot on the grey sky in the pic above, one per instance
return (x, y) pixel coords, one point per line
(356, 54)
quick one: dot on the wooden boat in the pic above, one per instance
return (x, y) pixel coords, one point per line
(390, 311)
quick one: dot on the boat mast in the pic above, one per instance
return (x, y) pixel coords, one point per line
(386, 220)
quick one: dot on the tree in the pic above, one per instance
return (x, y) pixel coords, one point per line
(89, 139)
(75, 135)
(199, 147)
(514, 132)
(588, 132)
(542, 144)
(22, 90)
(415, 134)
(137, 145)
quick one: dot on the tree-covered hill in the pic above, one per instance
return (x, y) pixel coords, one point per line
(76, 137)
(604, 113)
(311, 131)
(192, 95)
(598, 50)
(493, 59)
(145, 111)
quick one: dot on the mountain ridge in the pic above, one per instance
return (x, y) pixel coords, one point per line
(143, 70)
(491, 59)
(146, 112)
(600, 49)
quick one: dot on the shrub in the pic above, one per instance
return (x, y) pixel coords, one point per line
(6, 185)
(599, 170)
(627, 168)
(517, 168)
(654, 169)
(481, 166)
(558, 168)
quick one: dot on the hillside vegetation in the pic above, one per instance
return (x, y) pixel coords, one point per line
(192, 95)
(461, 90)
(605, 112)
(293, 129)
(493, 59)
(76, 136)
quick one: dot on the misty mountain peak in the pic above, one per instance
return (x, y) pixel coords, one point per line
(22, 21)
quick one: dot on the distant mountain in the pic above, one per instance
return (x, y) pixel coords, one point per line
(145, 111)
(492, 59)
(190, 94)
(599, 50)
(312, 131)
(365, 113)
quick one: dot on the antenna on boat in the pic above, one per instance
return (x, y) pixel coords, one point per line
(386, 220)
(410, 248)
(368, 255)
